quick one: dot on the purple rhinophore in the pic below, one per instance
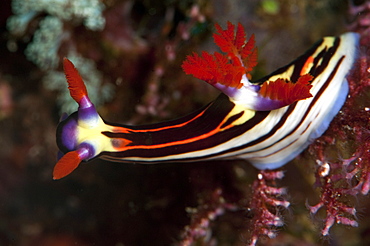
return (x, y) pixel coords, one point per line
(88, 114)
(85, 102)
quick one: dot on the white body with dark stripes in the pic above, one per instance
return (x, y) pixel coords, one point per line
(225, 129)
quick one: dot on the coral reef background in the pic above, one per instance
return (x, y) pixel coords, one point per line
(130, 52)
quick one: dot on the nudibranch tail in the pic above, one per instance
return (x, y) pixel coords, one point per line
(266, 122)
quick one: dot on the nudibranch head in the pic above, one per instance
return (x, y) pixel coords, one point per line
(79, 135)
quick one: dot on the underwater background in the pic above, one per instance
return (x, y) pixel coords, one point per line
(129, 52)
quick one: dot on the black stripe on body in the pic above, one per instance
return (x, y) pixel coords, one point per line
(209, 120)
(298, 63)
(290, 113)
(196, 128)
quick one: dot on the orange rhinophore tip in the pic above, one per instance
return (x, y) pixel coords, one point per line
(66, 165)
(76, 85)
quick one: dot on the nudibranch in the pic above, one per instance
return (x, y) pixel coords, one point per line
(267, 122)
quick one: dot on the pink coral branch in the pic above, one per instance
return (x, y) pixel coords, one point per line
(341, 179)
(202, 216)
(265, 203)
(337, 212)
